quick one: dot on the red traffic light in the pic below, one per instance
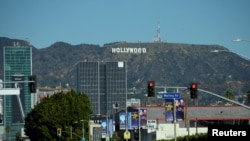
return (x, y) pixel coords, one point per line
(151, 84)
(194, 86)
(193, 90)
(151, 90)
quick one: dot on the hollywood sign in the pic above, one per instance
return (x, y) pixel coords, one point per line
(129, 50)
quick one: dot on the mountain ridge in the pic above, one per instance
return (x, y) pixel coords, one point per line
(171, 64)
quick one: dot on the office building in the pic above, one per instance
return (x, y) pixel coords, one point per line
(17, 67)
(105, 83)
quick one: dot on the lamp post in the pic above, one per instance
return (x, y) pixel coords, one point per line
(71, 132)
(139, 124)
(83, 138)
(107, 126)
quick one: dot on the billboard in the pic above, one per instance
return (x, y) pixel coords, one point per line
(110, 127)
(107, 127)
(143, 118)
(169, 109)
(135, 115)
(104, 127)
(132, 119)
(122, 120)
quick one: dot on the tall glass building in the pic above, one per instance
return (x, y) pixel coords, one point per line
(105, 83)
(17, 67)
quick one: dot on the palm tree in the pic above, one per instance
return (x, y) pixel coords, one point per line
(229, 95)
(248, 96)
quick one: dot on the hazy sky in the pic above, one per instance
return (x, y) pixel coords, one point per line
(209, 22)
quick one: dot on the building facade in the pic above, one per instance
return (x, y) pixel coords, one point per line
(17, 67)
(105, 83)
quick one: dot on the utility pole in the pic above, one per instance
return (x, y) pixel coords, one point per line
(174, 119)
(139, 124)
(186, 106)
(107, 126)
(71, 132)
(83, 138)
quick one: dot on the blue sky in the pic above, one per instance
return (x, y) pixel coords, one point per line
(208, 22)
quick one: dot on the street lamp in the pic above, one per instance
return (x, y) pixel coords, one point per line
(83, 138)
(71, 132)
(107, 126)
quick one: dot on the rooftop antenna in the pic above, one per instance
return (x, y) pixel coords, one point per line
(27, 41)
(157, 37)
(16, 44)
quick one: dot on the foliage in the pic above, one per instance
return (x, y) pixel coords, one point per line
(171, 64)
(229, 95)
(248, 96)
(65, 111)
(116, 137)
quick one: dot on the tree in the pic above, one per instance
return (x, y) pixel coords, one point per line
(248, 96)
(116, 137)
(65, 111)
(229, 95)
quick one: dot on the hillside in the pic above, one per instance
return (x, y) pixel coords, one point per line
(171, 64)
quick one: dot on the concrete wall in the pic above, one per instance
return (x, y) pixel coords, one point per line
(166, 131)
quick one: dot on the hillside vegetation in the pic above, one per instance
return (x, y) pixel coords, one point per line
(171, 64)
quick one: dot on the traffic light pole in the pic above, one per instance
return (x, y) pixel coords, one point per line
(139, 124)
(211, 93)
(174, 119)
(242, 105)
(18, 95)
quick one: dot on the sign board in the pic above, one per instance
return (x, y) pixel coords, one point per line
(127, 135)
(10, 91)
(151, 124)
(171, 95)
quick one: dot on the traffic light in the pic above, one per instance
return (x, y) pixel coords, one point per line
(151, 88)
(193, 90)
(59, 131)
(32, 83)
